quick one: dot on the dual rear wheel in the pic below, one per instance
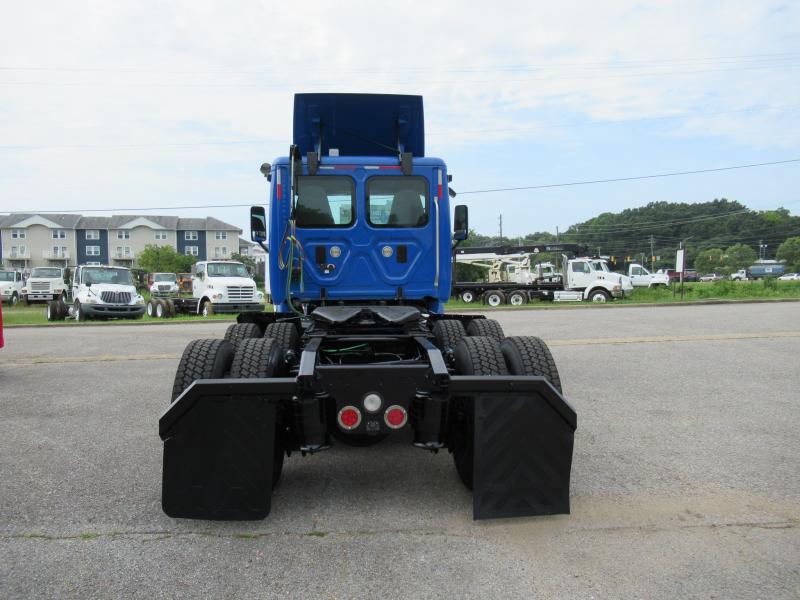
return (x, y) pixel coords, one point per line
(482, 349)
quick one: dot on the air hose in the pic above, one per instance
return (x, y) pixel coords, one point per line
(290, 238)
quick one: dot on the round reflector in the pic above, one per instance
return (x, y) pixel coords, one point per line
(349, 417)
(395, 416)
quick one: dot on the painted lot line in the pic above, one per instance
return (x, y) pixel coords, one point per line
(39, 360)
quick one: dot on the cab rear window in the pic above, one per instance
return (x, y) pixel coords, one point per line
(325, 201)
(397, 201)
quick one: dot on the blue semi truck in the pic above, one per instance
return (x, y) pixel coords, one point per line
(359, 347)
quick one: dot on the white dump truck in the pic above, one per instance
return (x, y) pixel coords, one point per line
(45, 283)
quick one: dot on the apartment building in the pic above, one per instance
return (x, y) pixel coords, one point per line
(33, 240)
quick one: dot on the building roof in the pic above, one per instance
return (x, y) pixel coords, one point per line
(67, 221)
(71, 221)
(213, 224)
(93, 223)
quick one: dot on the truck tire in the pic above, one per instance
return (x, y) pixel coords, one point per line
(447, 333)
(494, 298)
(52, 311)
(151, 308)
(486, 327)
(517, 298)
(14, 299)
(62, 310)
(206, 308)
(284, 334)
(202, 359)
(171, 312)
(468, 296)
(238, 332)
(160, 309)
(79, 314)
(599, 295)
(529, 355)
(258, 358)
(476, 355)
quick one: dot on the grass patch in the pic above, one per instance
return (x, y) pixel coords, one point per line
(763, 289)
(89, 536)
(35, 315)
(247, 536)
(315, 533)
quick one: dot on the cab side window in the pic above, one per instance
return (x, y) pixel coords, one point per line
(580, 267)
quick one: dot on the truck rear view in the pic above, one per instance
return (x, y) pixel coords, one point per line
(359, 347)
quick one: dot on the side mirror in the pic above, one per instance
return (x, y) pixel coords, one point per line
(258, 224)
(266, 171)
(461, 223)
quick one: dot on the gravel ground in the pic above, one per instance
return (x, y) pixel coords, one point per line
(685, 476)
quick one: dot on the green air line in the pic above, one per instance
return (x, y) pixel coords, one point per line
(346, 349)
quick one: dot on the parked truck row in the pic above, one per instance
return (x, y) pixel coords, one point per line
(109, 292)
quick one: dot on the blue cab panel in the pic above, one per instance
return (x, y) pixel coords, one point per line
(359, 124)
(367, 232)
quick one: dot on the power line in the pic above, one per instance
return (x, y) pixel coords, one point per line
(436, 81)
(771, 56)
(137, 209)
(487, 191)
(633, 178)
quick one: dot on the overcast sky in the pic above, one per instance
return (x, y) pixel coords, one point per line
(115, 105)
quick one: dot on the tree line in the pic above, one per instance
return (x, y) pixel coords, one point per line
(718, 236)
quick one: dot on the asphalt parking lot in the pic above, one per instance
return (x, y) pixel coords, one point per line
(685, 478)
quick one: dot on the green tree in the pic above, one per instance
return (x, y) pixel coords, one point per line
(709, 261)
(247, 261)
(790, 252)
(739, 256)
(164, 259)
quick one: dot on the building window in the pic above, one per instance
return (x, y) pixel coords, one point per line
(17, 234)
(220, 251)
(221, 235)
(161, 235)
(92, 234)
(59, 234)
(192, 250)
(123, 234)
(244, 251)
(92, 250)
(190, 235)
(123, 251)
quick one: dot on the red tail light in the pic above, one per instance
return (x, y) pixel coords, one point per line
(349, 418)
(395, 416)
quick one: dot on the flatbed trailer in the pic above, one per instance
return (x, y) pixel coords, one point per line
(495, 294)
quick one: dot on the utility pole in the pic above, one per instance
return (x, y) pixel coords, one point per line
(501, 228)
(556, 234)
(652, 254)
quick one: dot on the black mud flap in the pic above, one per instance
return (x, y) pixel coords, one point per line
(524, 432)
(219, 438)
